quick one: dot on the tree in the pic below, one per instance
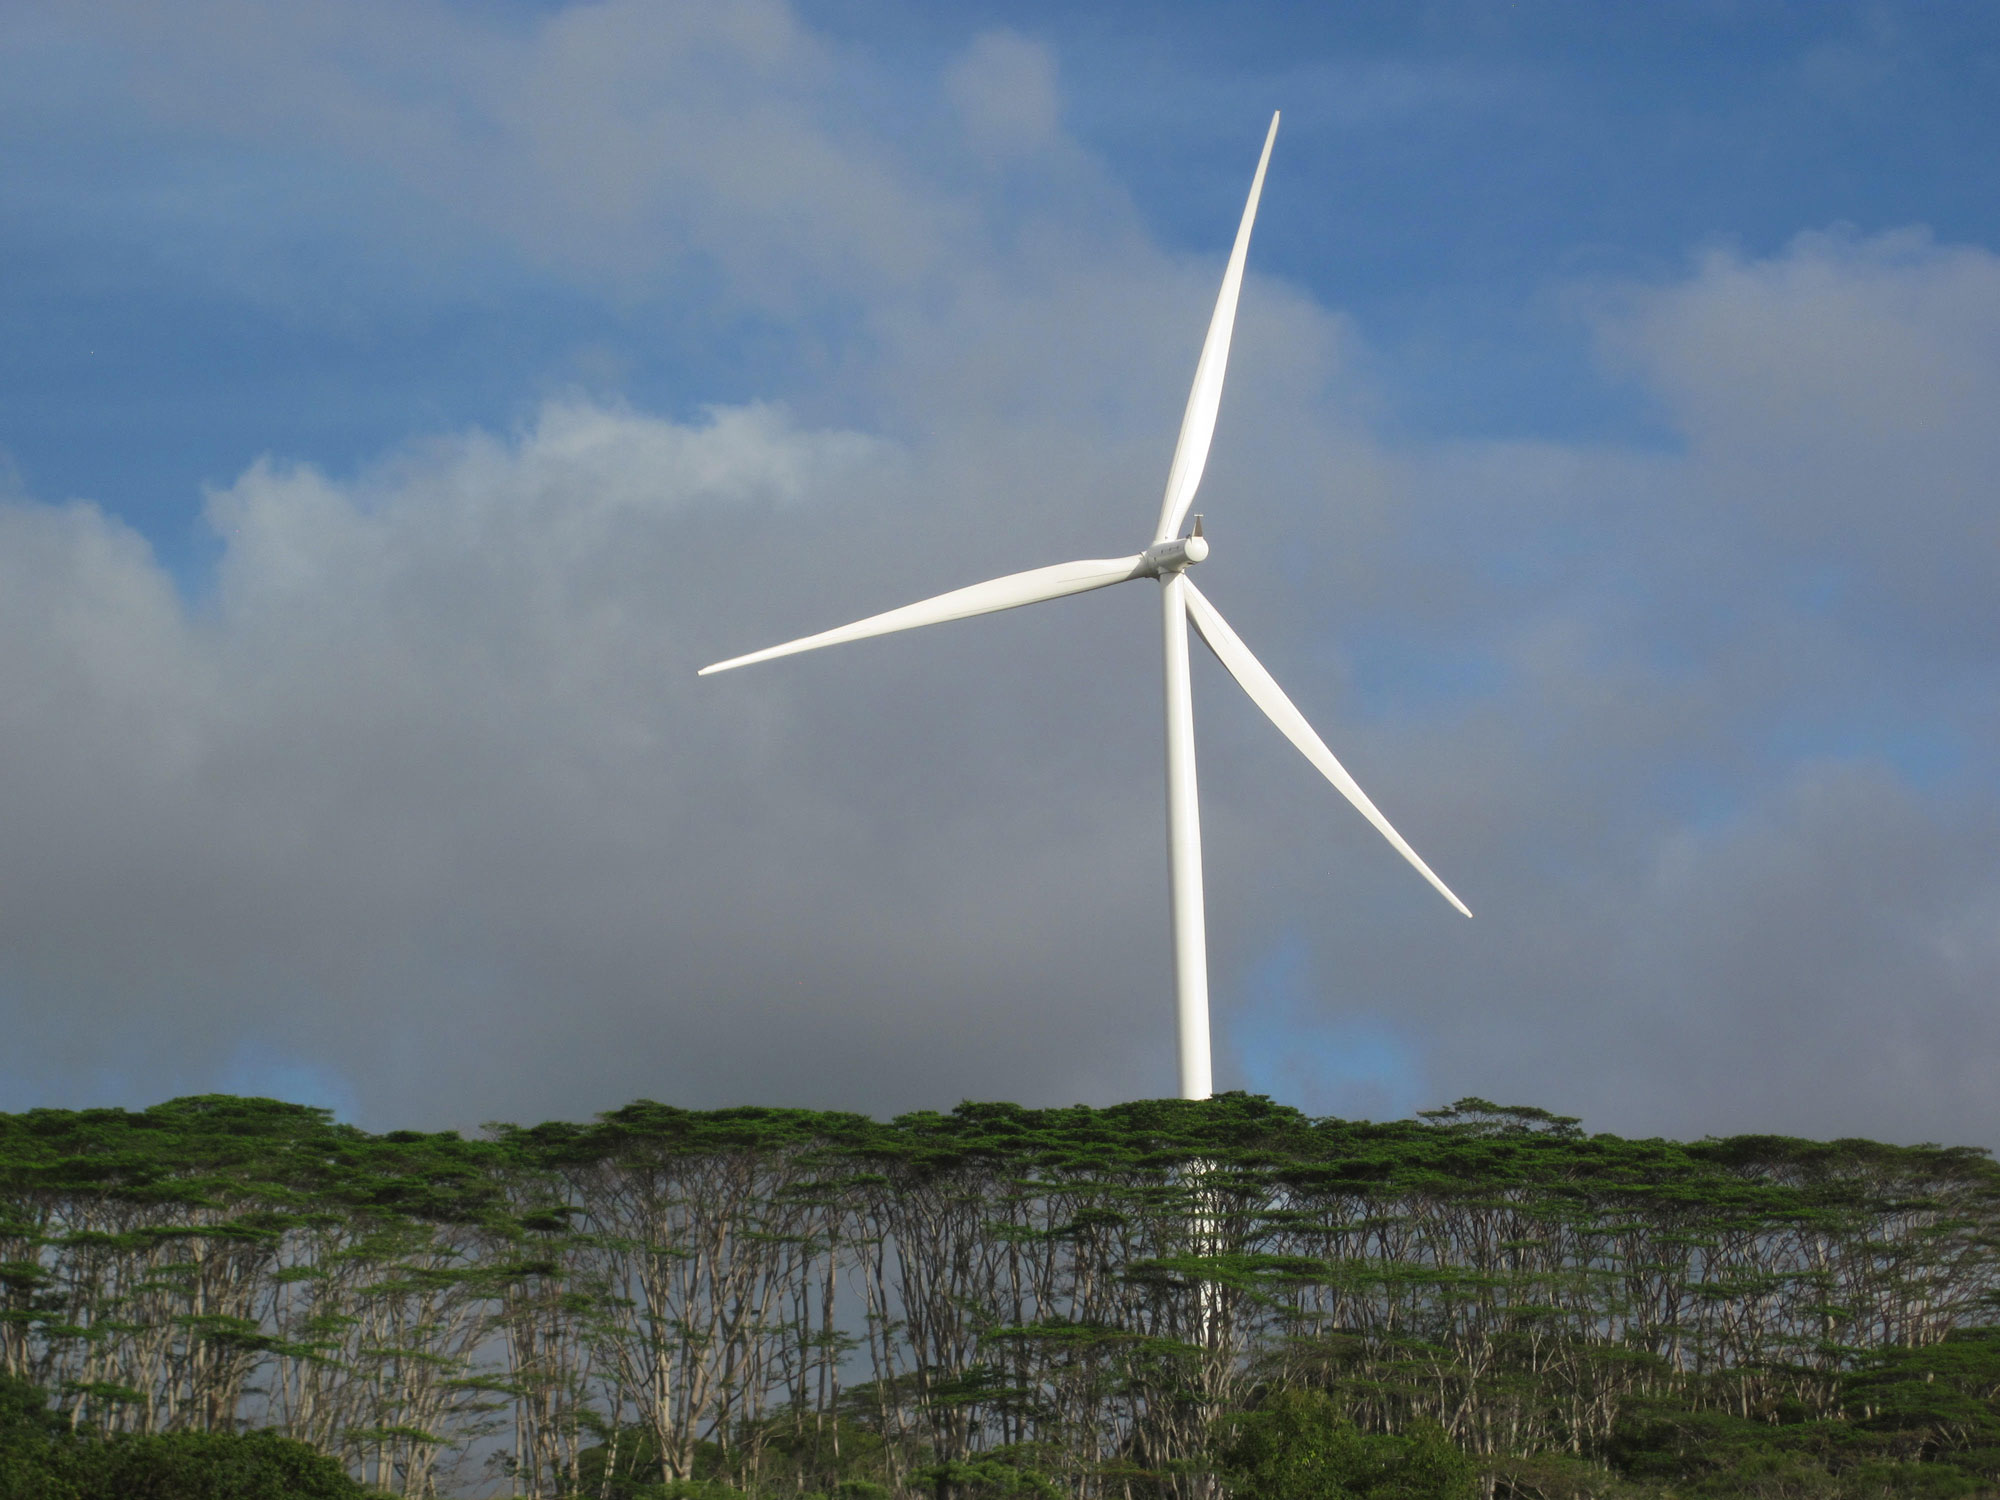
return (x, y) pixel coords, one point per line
(42, 1457)
(1297, 1445)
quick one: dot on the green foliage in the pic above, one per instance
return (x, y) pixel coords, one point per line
(993, 1476)
(792, 1454)
(680, 1489)
(25, 1419)
(1920, 1423)
(994, 1299)
(210, 1466)
(1940, 1398)
(41, 1458)
(33, 1445)
(1298, 1445)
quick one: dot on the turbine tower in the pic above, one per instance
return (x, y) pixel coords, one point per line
(1167, 559)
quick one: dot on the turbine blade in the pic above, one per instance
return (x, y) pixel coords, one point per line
(1198, 423)
(1016, 589)
(1267, 695)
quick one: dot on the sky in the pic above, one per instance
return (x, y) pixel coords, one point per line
(399, 400)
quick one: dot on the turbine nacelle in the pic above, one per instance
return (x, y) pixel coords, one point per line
(1177, 556)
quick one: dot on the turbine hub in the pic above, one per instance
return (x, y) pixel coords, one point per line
(1176, 556)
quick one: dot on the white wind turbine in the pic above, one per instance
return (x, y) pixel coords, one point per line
(1167, 559)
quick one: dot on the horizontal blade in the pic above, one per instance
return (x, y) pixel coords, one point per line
(1198, 422)
(1016, 589)
(1267, 695)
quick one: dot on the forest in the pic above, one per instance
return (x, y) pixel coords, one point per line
(1164, 1300)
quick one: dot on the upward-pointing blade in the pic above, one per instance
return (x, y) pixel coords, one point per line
(1198, 423)
(1267, 695)
(1016, 589)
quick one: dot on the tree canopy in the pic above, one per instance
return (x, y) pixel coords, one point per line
(1099, 1301)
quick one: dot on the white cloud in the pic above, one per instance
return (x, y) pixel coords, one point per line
(1838, 401)
(626, 144)
(1004, 89)
(425, 802)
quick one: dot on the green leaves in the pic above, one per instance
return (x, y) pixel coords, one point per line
(42, 1458)
(994, 1297)
(1298, 1445)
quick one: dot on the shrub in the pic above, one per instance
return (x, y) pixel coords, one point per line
(1297, 1445)
(42, 1459)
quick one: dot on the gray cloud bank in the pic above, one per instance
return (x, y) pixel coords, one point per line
(424, 803)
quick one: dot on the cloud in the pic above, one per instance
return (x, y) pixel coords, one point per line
(1834, 399)
(422, 805)
(1004, 89)
(1732, 794)
(428, 794)
(623, 145)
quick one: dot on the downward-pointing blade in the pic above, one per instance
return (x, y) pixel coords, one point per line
(1198, 423)
(1267, 695)
(1016, 589)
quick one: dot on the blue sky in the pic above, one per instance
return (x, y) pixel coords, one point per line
(1453, 178)
(1605, 468)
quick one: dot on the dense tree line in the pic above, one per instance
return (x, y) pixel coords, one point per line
(1069, 1302)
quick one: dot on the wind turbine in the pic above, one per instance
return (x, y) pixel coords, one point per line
(1167, 559)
